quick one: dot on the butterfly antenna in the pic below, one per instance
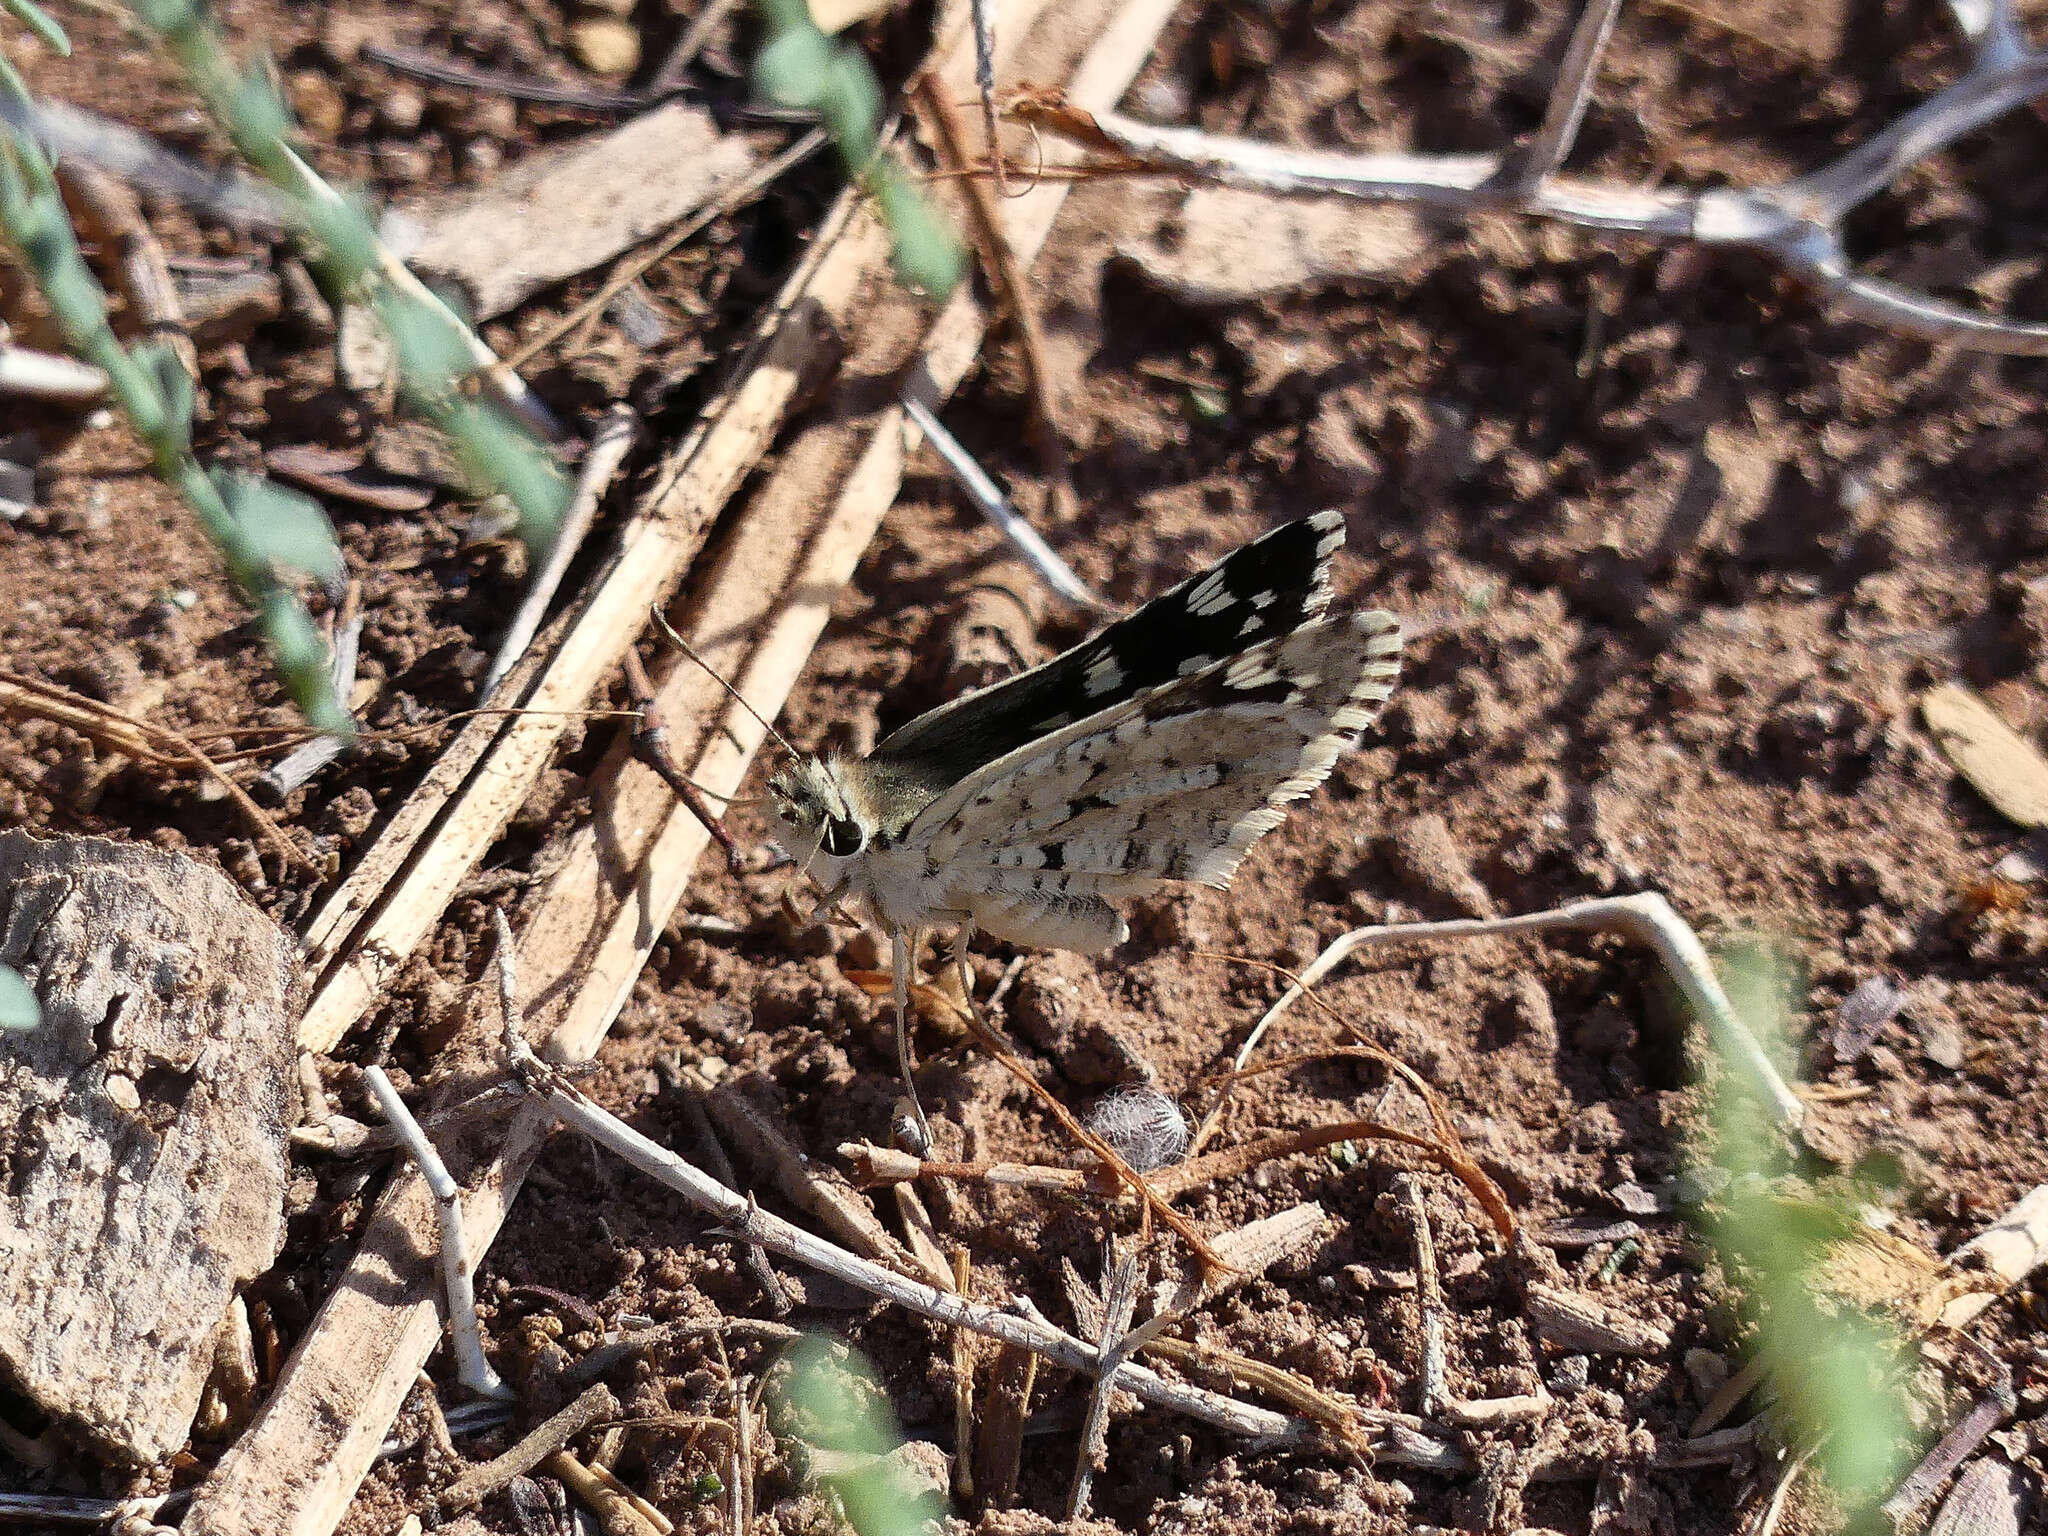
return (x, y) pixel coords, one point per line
(669, 631)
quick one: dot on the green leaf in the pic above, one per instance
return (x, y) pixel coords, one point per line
(173, 386)
(795, 70)
(925, 252)
(18, 1007)
(841, 1408)
(282, 526)
(43, 27)
(301, 660)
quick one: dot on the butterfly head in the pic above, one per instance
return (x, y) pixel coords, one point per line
(813, 811)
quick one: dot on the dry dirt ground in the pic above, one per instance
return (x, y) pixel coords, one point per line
(1680, 550)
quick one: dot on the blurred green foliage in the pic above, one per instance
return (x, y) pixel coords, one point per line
(1836, 1374)
(436, 352)
(18, 1007)
(801, 68)
(832, 1402)
(265, 534)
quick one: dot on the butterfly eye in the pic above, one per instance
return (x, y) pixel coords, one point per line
(843, 837)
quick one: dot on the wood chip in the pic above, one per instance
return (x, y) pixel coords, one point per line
(556, 215)
(1985, 1502)
(2003, 766)
(145, 1129)
(346, 476)
(1583, 1326)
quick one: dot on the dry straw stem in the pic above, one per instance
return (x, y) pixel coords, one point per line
(1797, 223)
(49, 376)
(614, 1507)
(156, 746)
(757, 613)
(1646, 918)
(372, 924)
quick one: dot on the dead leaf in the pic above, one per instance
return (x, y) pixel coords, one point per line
(2003, 766)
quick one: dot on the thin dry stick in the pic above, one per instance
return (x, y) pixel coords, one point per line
(1005, 273)
(1408, 1442)
(1797, 223)
(609, 445)
(471, 1365)
(51, 377)
(996, 507)
(669, 77)
(567, 1103)
(983, 13)
(1646, 917)
(1121, 1272)
(1429, 1300)
(1523, 171)
(1991, 1409)
(157, 745)
(536, 1446)
(887, 1165)
(963, 1383)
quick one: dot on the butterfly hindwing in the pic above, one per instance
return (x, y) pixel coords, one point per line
(1270, 587)
(1173, 784)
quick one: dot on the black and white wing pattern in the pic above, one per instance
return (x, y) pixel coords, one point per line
(1270, 587)
(1174, 782)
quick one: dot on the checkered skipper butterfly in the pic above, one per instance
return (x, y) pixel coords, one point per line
(1158, 750)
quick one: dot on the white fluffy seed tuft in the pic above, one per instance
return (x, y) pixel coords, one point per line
(1145, 1127)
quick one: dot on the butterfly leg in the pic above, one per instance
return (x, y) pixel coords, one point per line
(903, 944)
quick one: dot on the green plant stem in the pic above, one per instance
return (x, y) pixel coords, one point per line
(436, 350)
(32, 214)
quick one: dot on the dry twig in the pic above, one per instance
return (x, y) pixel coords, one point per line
(535, 1447)
(1005, 275)
(1647, 918)
(1798, 223)
(157, 746)
(1122, 1269)
(456, 1270)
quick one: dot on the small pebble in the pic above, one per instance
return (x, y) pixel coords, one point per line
(605, 45)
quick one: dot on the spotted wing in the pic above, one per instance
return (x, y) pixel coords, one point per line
(1176, 783)
(1269, 587)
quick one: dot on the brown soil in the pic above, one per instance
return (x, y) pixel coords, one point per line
(1618, 684)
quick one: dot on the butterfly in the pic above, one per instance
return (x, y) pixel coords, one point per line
(1160, 749)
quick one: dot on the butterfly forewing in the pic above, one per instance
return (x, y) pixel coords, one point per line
(1270, 587)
